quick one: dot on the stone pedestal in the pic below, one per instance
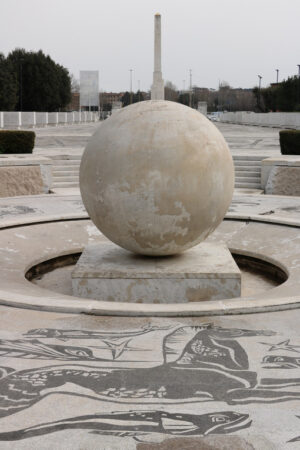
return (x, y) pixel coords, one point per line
(205, 272)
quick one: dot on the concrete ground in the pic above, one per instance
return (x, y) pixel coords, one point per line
(80, 381)
(241, 139)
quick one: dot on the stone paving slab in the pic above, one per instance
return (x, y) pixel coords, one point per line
(40, 208)
(79, 382)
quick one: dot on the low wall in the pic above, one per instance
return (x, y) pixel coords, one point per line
(29, 119)
(24, 175)
(276, 119)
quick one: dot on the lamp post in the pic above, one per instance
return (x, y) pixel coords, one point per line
(21, 83)
(139, 89)
(298, 70)
(259, 81)
(277, 76)
(190, 96)
(130, 70)
(259, 88)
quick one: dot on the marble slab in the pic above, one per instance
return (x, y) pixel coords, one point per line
(205, 272)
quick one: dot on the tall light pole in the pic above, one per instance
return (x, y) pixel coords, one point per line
(259, 81)
(277, 70)
(21, 84)
(183, 84)
(190, 97)
(130, 70)
(139, 89)
(298, 70)
(259, 88)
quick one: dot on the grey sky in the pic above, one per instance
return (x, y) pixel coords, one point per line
(232, 40)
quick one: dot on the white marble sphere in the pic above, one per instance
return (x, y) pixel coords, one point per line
(157, 177)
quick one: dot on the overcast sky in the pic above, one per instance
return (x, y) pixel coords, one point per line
(231, 40)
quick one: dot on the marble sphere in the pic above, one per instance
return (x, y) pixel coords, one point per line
(157, 177)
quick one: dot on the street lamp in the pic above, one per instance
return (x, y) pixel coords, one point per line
(139, 89)
(190, 96)
(259, 81)
(21, 83)
(259, 88)
(130, 70)
(277, 70)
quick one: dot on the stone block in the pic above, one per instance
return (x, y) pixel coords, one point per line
(205, 272)
(26, 180)
(281, 175)
(20, 180)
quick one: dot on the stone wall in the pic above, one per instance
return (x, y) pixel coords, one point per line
(28, 119)
(277, 119)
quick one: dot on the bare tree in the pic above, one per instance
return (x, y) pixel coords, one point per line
(75, 87)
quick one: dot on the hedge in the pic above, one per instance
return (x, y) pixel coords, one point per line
(13, 141)
(289, 142)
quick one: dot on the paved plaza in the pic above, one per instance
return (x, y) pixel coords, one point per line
(240, 138)
(83, 374)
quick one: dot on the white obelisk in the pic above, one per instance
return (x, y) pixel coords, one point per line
(157, 88)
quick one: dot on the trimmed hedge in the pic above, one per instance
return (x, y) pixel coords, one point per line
(15, 141)
(289, 142)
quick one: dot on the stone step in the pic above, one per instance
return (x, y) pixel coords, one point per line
(66, 170)
(62, 168)
(248, 168)
(243, 174)
(65, 157)
(249, 157)
(245, 163)
(59, 163)
(247, 179)
(247, 185)
(60, 175)
(65, 184)
(65, 178)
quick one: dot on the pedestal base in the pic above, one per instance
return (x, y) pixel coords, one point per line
(205, 272)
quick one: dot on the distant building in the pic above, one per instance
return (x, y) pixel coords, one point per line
(74, 105)
(116, 105)
(89, 90)
(202, 108)
(110, 97)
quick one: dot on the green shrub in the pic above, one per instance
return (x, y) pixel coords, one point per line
(289, 142)
(12, 141)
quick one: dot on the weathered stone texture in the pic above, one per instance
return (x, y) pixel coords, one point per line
(157, 178)
(107, 272)
(200, 443)
(284, 180)
(20, 180)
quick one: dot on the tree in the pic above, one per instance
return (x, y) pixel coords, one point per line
(129, 98)
(43, 85)
(8, 85)
(171, 92)
(284, 96)
(184, 98)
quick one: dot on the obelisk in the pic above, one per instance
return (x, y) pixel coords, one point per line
(157, 88)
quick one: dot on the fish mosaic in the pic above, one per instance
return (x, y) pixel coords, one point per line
(198, 365)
